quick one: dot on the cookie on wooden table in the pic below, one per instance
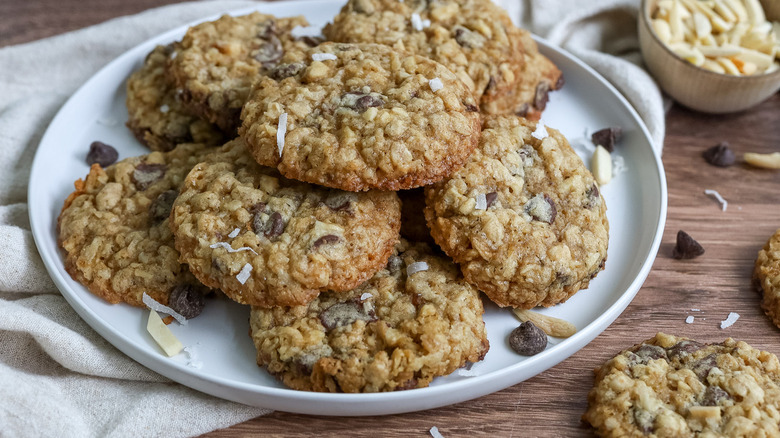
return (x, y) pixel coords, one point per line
(523, 217)
(669, 386)
(361, 116)
(412, 321)
(115, 227)
(156, 115)
(766, 277)
(269, 241)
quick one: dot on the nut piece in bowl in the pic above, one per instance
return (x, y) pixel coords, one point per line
(702, 82)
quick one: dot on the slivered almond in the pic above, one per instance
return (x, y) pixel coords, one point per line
(552, 326)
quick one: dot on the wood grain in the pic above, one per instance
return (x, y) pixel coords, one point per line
(551, 403)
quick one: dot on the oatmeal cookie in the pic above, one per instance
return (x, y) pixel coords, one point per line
(361, 116)
(396, 331)
(524, 218)
(675, 387)
(530, 93)
(269, 241)
(115, 227)
(766, 277)
(156, 115)
(216, 62)
(473, 38)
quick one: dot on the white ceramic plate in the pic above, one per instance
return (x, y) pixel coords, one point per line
(637, 212)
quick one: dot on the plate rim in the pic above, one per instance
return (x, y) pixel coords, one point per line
(333, 404)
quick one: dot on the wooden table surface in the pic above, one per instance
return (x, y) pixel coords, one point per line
(551, 403)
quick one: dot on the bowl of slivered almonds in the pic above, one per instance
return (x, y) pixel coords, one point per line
(714, 56)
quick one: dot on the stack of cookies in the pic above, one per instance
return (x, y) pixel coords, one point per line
(280, 162)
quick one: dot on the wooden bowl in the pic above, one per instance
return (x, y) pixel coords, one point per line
(695, 87)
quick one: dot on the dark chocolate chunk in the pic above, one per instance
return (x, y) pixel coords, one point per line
(276, 226)
(490, 198)
(340, 201)
(686, 247)
(470, 107)
(160, 208)
(146, 174)
(325, 240)
(541, 208)
(646, 353)
(720, 155)
(409, 384)
(703, 366)
(607, 137)
(522, 111)
(283, 71)
(270, 51)
(187, 300)
(592, 198)
(527, 339)
(341, 314)
(542, 95)
(360, 102)
(713, 395)
(102, 154)
(683, 348)
(270, 225)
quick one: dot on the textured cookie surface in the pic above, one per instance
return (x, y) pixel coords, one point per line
(473, 38)
(766, 277)
(396, 331)
(523, 217)
(155, 111)
(216, 62)
(266, 240)
(361, 116)
(529, 95)
(675, 387)
(115, 227)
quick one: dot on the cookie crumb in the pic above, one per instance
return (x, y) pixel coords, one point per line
(243, 276)
(281, 129)
(418, 23)
(723, 203)
(730, 320)
(152, 304)
(234, 233)
(435, 84)
(541, 131)
(481, 202)
(230, 248)
(689, 320)
(416, 267)
(435, 432)
(322, 57)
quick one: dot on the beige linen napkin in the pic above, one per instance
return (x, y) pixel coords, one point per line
(60, 378)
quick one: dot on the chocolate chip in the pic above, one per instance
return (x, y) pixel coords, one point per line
(686, 247)
(522, 111)
(720, 155)
(187, 300)
(146, 174)
(490, 198)
(409, 384)
(607, 137)
(470, 107)
(541, 208)
(542, 95)
(592, 198)
(160, 208)
(102, 154)
(394, 264)
(527, 339)
(325, 240)
(646, 353)
(643, 420)
(683, 348)
(271, 226)
(340, 201)
(283, 71)
(269, 52)
(713, 395)
(702, 367)
(360, 102)
(257, 208)
(468, 38)
(341, 314)
(276, 225)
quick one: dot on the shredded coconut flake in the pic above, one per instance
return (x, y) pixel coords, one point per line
(435, 84)
(723, 203)
(107, 121)
(164, 109)
(154, 305)
(306, 31)
(416, 267)
(243, 276)
(730, 320)
(281, 131)
(695, 310)
(541, 131)
(618, 165)
(174, 54)
(230, 248)
(689, 320)
(192, 358)
(323, 57)
(467, 373)
(365, 296)
(481, 202)
(435, 432)
(234, 233)
(418, 23)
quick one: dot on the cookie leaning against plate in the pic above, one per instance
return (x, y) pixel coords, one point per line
(766, 277)
(156, 115)
(523, 217)
(216, 62)
(115, 227)
(473, 38)
(675, 387)
(397, 331)
(361, 116)
(269, 241)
